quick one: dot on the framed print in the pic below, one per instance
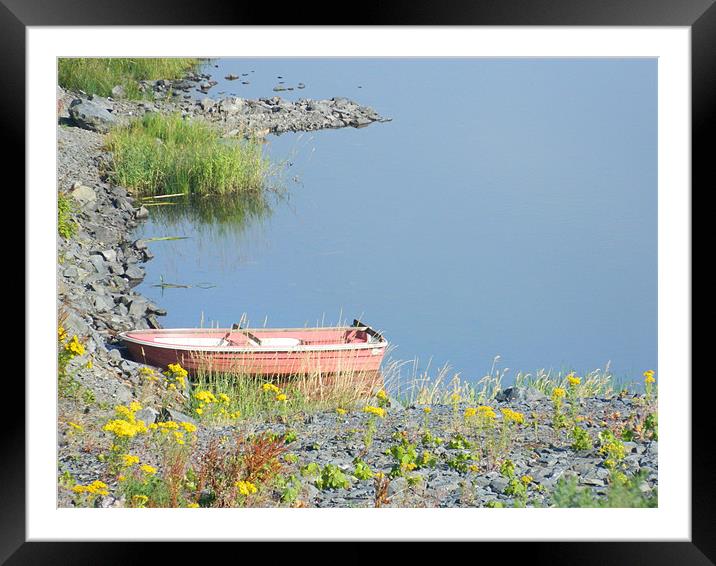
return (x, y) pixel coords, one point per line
(424, 277)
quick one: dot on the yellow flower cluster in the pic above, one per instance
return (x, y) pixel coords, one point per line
(120, 427)
(486, 412)
(207, 400)
(246, 487)
(176, 375)
(526, 480)
(382, 395)
(340, 411)
(573, 379)
(75, 427)
(470, 412)
(649, 376)
(61, 334)
(127, 426)
(193, 505)
(139, 500)
(374, 411)
(205, 397)
(427, 410)
(271, 388)
(512, 416)
(95, 488)
(75, 347)
(558, 393)
(129, 460)
(147, 469)
(148, 374)
(173, 427)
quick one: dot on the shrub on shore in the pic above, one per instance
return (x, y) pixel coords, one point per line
(165, 154)
(99, 75)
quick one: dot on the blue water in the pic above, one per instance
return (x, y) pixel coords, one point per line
(509, 208)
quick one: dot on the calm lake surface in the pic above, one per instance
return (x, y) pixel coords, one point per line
(509, 208)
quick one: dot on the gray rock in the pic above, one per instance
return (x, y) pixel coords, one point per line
(82, 194)
(526, 394)
(92, 115)
(118, 92)
(142, 213)
(499, 484)
(99, 264)
(174, 415)
(103, 303)
(137, 308)
(109, 255)
(115, 356)
(134, 272)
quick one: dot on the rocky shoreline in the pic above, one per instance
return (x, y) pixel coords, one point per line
(99, 267)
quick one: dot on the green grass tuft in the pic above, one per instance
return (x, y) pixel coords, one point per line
(166, 154)
(100, 75)
(66, 227)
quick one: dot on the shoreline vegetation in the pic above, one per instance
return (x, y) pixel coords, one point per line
(119, 76)
(166, 154)
(130, 435)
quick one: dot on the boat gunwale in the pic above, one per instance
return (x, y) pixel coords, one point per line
(253, 349)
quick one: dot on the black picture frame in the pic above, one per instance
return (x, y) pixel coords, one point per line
(698, 15)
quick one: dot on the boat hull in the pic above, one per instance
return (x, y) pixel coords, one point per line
(270, 353)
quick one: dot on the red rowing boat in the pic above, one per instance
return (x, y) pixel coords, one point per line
(271, 352)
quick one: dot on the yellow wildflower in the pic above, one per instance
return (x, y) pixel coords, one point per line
(649, 376)
(512, 416)
(382, 395)
(526, 480)
(95, 488)
(121, 477)
(61, 334)
(75, 347)
(147, 469)
(139, 500)
(455, 397)
(486, 412)
(374, 411)
(281, 397)
(76, 427)
(224, 398)
(89, 364)
(271, 387)
(470, 412)
(427, 410)
(246, 487)
(340, 411)
(124, 428)
(193, 505)
(129, 460)
(573, 379)
(558, 392)
(189, 427)
(179, 437)
(199, 411)
(235, 415)
(205, 396)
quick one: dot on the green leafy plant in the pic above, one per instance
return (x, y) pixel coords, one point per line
(362, 471)
(331, 477)
(580, 439)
